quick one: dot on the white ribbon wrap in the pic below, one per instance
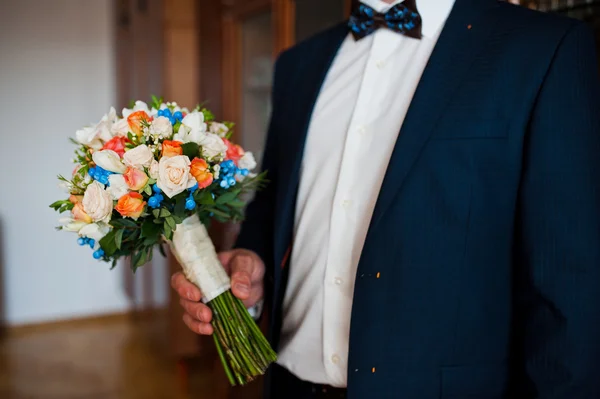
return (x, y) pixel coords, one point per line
(196, 254)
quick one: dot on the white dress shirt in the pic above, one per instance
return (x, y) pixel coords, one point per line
(357, 118)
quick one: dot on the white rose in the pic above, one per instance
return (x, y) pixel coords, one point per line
(153, 170)
(220, 129)
(109, 160)
(213, 146)
(95, 231)
(120, 128)
(192, 129)
(174, 175)
(139, 106)
(139, 157)
(97, 203)
(118, 187)
(247, 161)
(161, 128)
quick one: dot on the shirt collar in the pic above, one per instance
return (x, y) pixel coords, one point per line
(433, 12)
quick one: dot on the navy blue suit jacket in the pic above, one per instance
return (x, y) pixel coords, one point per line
(486, 232)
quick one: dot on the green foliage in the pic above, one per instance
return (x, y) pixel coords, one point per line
(62, 206)
(191, 150)
(208, 115)
(156, 102)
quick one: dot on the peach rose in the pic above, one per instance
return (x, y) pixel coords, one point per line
(199, 169)
(135, 178)
(80, 215)
(234, 151)
(137, 120)
(171, 148)
(117, 144)
(75, 199)
(131, 205)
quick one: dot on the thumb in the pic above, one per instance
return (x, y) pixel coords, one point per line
(241, 272)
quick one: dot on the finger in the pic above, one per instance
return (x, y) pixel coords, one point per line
(184, 288)
(198, 310)
(196, 326)
(241, 272)
(256, 294)
(225, 259)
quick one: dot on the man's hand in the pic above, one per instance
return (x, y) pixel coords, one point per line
(246, 270)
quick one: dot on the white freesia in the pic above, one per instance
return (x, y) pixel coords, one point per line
(213, 146)
(118, 187)
(120, 128)
(216, 171)
(174, 175)
(70, 224)
(139, 157)
(220, 129)
(95, 231)
(153, 170)
(109, 160)
(97, 203)
(161, 128)
(138, 106)
(87, 136)
(247, 161)
(192, 129)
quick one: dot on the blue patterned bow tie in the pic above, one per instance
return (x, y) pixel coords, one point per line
(402, 18)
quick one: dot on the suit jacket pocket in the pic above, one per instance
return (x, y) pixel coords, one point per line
(487, 381)
(456, 127)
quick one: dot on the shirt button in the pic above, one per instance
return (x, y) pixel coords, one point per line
(335, 359)
(361, 130)
(380, 64)
(346, 204)
(338, 281)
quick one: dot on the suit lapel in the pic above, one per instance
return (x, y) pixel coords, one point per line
(462, 39)
(307, 83)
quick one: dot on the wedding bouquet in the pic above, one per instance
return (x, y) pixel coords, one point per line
(158, 175)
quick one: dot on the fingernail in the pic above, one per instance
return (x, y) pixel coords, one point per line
(189, 295)
(243, 288)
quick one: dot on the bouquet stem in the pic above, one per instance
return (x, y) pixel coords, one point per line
(243, 349)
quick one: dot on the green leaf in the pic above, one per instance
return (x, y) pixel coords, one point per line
(150, 230)
(190, 150)
(108, 243)
(150, 254)
(228, 196)
(203, 197)
(180, 205)
(176, 127)
(130, 136)
(161, 248)
(171, 222)
(208, 116)
(178, 219)
(237, 203)
(139, 259)
(156, 213)
(148, 190)
(119, 238)
(168, 231)
(218, 213)
(123, 223)
(156, 101)
(164, 212)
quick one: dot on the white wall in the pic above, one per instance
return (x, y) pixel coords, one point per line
(57, 73)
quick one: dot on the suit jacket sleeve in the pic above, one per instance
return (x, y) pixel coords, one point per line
(557, 253)
(257, 230)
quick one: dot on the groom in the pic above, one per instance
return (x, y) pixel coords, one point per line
(432, 225)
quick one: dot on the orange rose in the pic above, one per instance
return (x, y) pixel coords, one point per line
(234, 151)
(80, 215)
(117, 144)
(135, 178)
(75, 199)
(131, 205)
(199, 169)
(171, 148)
(137, 120)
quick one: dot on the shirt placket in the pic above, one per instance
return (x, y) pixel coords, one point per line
(339, 270)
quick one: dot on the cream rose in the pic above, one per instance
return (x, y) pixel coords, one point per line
(247, 161)
(97, 203)
(109, 160)
(213, 146)
(118, 187)
(139, 157)
(174, 175)
(153, 170)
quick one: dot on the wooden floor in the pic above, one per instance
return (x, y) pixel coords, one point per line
(115, 358)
